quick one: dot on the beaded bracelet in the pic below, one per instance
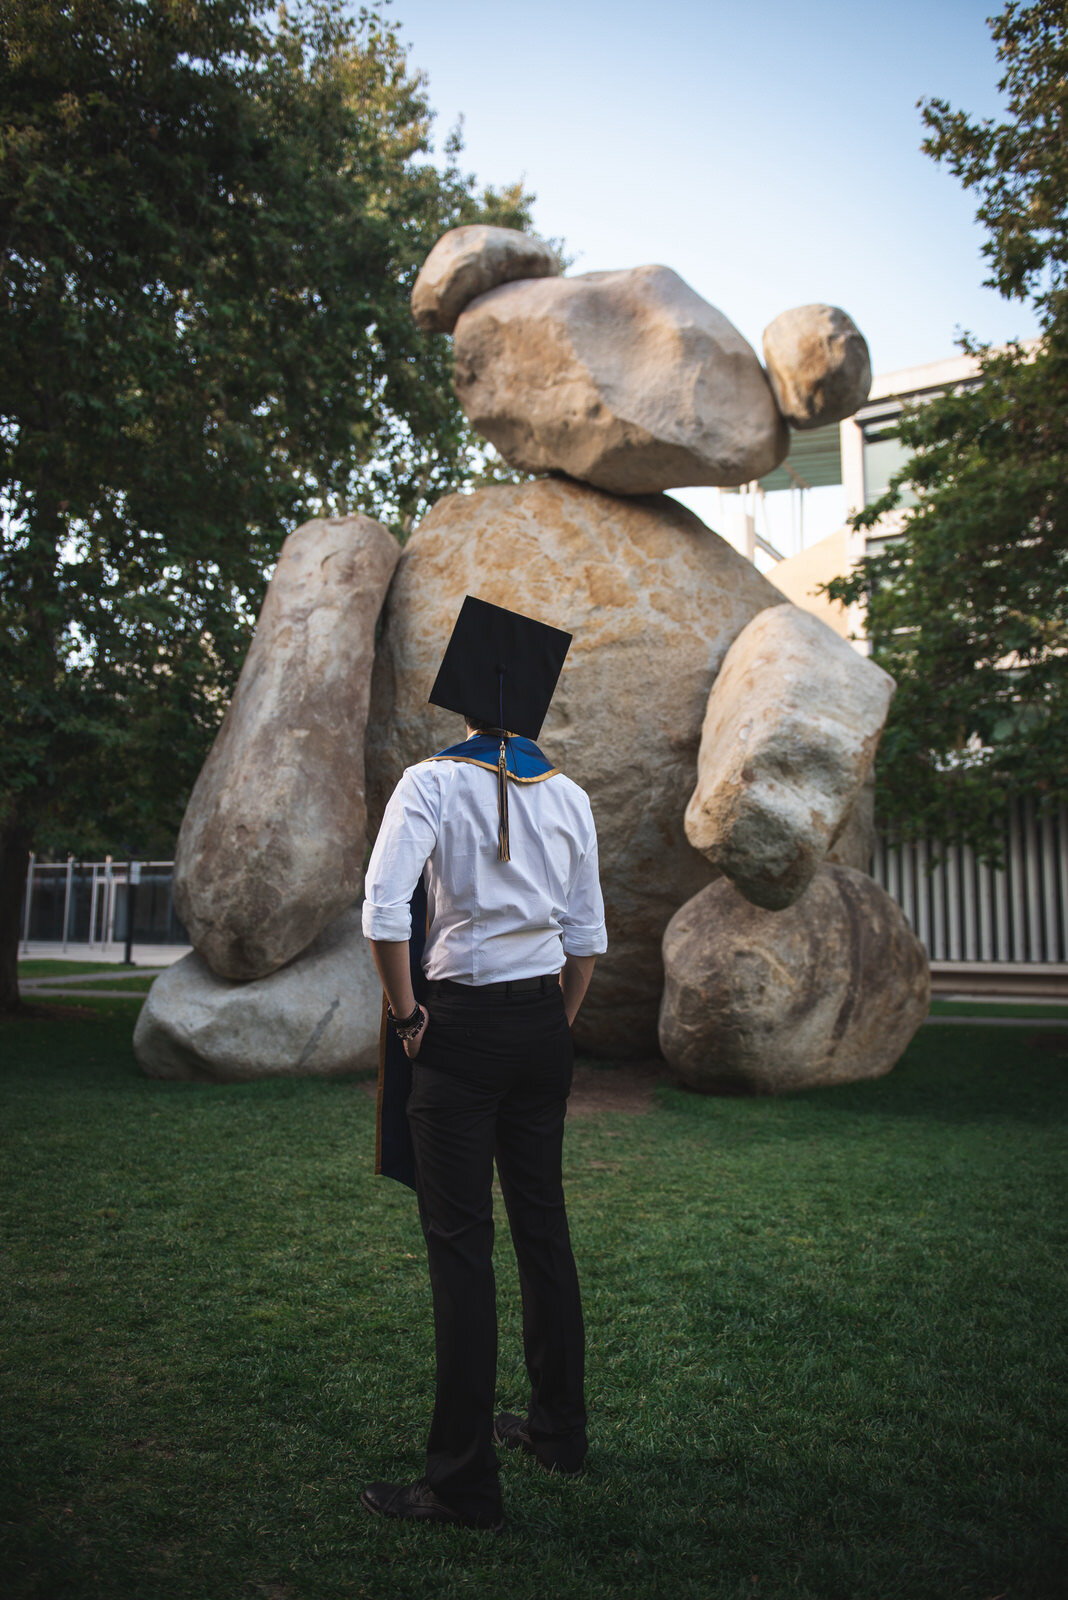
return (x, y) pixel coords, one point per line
(405, 1027)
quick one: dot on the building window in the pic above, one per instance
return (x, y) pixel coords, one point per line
(883, 455)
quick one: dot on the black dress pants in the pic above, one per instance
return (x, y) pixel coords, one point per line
(491, 1080)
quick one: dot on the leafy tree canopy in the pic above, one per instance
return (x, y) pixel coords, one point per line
(211, 217)
(210, 221)
(969, 608)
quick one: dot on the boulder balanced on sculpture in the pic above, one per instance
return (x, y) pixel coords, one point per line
(467, 262)
(272, 844)
(759, 1002)
(818, 365)
(628, 382)
(787, 742)
(318, 1016)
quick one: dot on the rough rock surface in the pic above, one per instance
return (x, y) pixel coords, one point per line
(829, 991)
(818, 365)
(788, 739)
(855, 845)
(316, 1017)
(653, 598)
(466, 262)
(625, 380)
(272, 844)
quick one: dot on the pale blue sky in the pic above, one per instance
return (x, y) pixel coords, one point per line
(768, 152)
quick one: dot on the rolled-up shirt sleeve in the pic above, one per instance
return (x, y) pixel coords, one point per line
(582, 926)
(405, 840)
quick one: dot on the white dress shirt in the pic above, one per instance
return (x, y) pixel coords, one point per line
(489, 920)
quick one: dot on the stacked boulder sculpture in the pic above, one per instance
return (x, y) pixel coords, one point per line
(725, 738)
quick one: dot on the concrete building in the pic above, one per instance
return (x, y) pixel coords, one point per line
(985, 930)
(859, 456)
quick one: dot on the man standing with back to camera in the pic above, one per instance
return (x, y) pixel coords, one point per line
(506, 850)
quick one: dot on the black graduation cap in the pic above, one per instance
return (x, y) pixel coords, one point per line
(500, 668)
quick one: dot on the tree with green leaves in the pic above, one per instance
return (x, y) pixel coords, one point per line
(211, 217)
(968, 609)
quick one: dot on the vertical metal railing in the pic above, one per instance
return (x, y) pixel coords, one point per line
(28, 902)
(88, 904)
(66, 900)
(961, 909)
(964, 910)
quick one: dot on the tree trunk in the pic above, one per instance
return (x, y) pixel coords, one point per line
(14, 859)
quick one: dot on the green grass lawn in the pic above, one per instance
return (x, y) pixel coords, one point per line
(999, 1008)
(826, 1340)
(136, 984)
(66, 969)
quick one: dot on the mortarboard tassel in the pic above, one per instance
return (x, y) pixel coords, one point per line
(502, 777)
(502, 806)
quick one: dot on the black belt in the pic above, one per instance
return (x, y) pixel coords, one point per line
(544, 985)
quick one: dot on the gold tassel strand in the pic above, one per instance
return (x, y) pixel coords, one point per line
(502, 806)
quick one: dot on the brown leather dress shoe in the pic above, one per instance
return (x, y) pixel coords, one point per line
(417, 1502)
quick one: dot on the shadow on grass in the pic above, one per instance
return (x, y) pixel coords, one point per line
(955, 1077)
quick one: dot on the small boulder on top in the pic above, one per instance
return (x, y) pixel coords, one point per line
(818, 365)
(469, 261)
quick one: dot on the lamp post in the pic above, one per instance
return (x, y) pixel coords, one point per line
(133, 878)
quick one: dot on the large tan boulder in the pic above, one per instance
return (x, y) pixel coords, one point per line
(818, 365)
(855, 845)
(272, 845)
(317, 1017)
(653, 598)
(788, 739)
(829, 991)
(466, 262)
(626, 380)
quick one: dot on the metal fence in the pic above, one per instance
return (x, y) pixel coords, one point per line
(88, 902)
(965, 911)
(960, 909)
